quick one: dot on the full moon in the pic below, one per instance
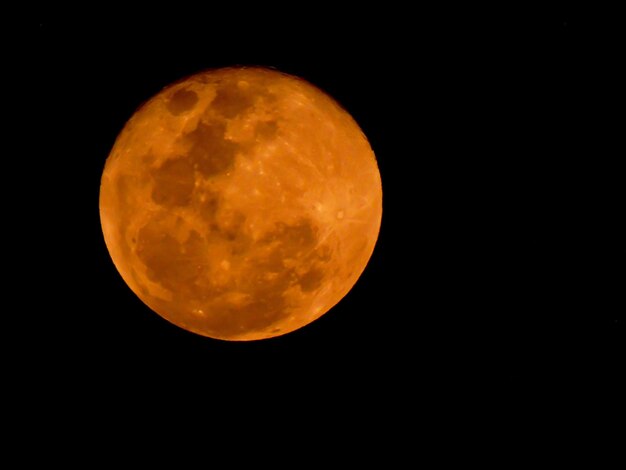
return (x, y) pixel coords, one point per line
(241, 203)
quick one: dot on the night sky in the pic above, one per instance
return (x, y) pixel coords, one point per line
(499, 271)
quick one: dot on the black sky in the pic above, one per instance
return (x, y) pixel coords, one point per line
(499, 269)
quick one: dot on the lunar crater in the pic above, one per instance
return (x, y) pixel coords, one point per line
(210, 153)
(174, 182)
(182, 101)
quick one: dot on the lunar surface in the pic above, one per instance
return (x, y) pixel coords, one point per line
(241, 203)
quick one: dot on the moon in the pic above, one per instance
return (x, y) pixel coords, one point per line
(241, 203)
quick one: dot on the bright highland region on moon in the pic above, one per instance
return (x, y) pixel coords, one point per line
(241, 203)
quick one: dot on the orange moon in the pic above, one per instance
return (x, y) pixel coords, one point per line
(241, 203)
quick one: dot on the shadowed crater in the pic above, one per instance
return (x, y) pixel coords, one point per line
(210, 153)
(232, 100)
(311, 280)
(173, 183)
(266, 130)
(293, 238)
(207, 205)
(229, 225)
(170, 263)
(182, 101)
